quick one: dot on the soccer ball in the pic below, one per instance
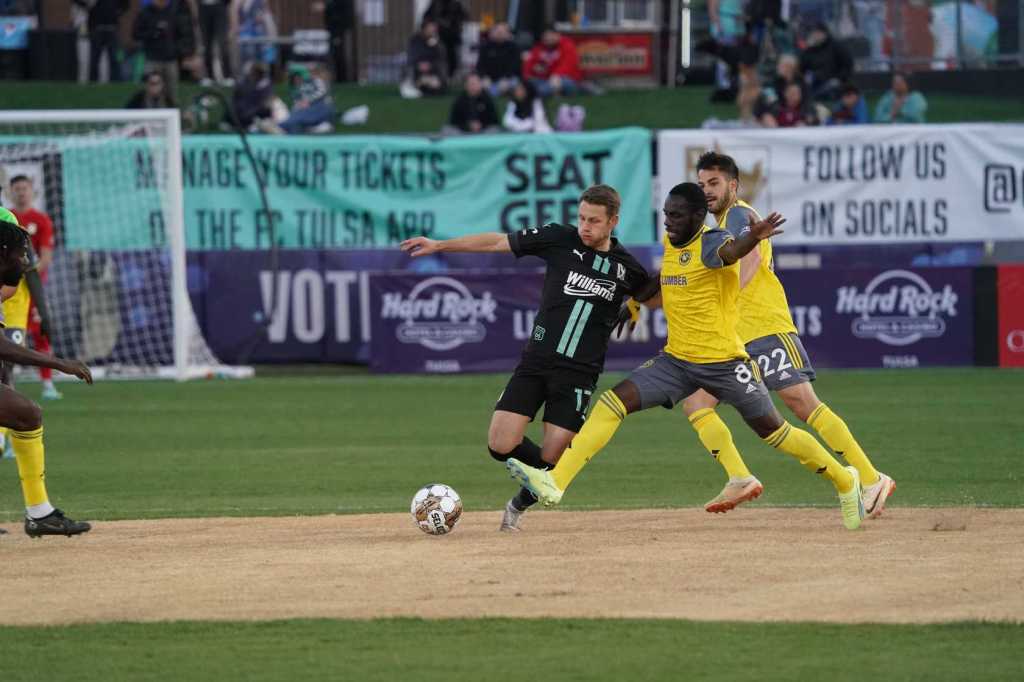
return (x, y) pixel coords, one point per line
(436, 508)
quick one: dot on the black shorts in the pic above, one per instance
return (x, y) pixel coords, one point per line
(565, 394)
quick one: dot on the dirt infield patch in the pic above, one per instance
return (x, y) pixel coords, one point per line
(914, 565)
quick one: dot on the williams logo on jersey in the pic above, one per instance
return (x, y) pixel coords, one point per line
(581, 285)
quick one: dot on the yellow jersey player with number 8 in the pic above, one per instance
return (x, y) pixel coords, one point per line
(767, 331)
(699, 291)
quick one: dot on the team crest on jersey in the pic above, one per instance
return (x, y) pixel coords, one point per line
(684, 257)
(620, 272)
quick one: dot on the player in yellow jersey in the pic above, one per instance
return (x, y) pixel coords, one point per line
(767, 331)
(699, 291)
(20, 415)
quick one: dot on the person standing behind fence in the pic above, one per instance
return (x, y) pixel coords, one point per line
(103, 23)
(164, 29)
(340, 21)
(449, 15)
(252, 20)
(213, 26)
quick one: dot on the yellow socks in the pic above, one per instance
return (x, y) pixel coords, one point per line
(716, 437)
(836, 434)
(599, 428)
(809, 452)
(28, 450)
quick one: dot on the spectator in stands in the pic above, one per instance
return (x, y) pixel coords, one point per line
(754, 102)
(473, 110)
(340, 21)
(153, 95)
(164, 29)
(727, 30)
(253, 99)
(826, 63)
(449, 16)
(253, 21)
(500, 62)
(851, 108)
(553, 65)
(312, 105)
(787, 71)
(213, 27)
(428, 72)
(792, 111)
(525, 111)
(901, 104)
(104, 18)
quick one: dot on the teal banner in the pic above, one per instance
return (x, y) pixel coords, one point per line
(356, 191)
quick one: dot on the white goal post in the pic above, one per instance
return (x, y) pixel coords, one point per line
(117, 291)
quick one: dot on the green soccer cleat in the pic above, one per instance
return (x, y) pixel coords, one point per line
(537, 481)
(851, 503)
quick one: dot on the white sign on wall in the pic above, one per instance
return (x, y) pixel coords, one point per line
(870, 184)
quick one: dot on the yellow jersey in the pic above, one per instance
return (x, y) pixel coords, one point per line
(764, 310)
(17, 306)
(700, 297)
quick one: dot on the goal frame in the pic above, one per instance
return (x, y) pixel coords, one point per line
(182, 313)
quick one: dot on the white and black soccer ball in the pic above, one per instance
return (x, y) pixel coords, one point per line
(436, 508)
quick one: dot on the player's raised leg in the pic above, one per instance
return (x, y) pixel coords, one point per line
(804, 403)
(742, 486)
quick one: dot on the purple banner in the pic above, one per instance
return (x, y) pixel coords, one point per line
(469, 322)
(324, 306)
(884, 318)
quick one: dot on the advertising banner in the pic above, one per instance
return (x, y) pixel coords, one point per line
(470, 322)
(1011, 315)
(870, 184)
(615, 54)
(360, 191)
(884, 318)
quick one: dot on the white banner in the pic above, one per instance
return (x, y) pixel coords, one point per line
(870, 184)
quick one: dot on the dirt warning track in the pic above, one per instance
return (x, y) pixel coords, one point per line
(757, 564)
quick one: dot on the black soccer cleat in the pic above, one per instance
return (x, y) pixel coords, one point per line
(55, 524)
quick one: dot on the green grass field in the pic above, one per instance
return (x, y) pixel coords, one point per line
(515, 650)
(345, 443)
(684, 107)
(359, 443)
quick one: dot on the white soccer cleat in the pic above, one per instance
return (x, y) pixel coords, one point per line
(510, 519)
(734, 494)
(876, 495)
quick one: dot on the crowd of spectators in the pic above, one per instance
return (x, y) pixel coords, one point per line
(783, 78)
(779, 73)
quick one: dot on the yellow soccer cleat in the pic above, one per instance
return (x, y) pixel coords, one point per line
(851, 503)
(537, 481)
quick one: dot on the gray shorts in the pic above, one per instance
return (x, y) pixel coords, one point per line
(665, 380)
(782, 360)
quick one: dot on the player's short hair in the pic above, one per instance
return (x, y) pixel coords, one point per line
(720, 162)
(12, 237)
(20, 178)
(689, 192)
(603, 195)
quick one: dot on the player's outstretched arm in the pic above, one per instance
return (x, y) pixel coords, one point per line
(485, 242)
(757, 231)
(19, 355)
(35, 289)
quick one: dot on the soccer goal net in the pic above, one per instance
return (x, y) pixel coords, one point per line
(117, 288)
